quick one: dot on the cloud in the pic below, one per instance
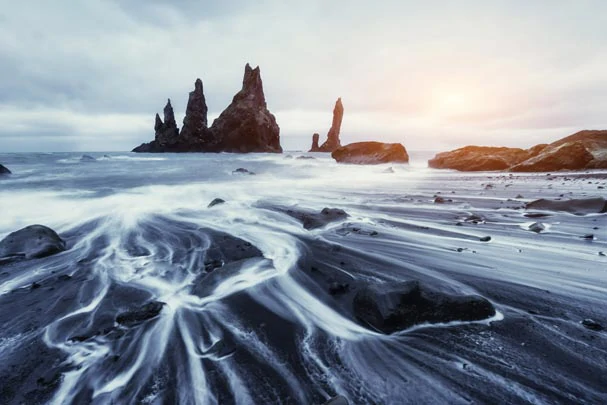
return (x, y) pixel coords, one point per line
(79, 68)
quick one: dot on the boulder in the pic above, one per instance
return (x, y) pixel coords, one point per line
(568, 156)
(580, 206)
(31, 242)
(312, 220)
(138, 315)
(4, 170)
(478, 158)
(333, 142)
(393, 307)
(369, 153)
(215, 202)
(247, 125)
(87, 158)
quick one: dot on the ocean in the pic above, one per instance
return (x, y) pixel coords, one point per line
(265, 298)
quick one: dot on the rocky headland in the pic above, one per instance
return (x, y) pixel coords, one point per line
(581, 151)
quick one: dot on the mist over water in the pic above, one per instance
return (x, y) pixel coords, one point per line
(242, 316)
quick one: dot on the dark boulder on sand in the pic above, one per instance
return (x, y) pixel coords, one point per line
(370, 153)
(333, 142)
(398, 306)
(31, 242)
(138, 315)
(4, 170)
(581, 206)
(313, 220)
(246, 125)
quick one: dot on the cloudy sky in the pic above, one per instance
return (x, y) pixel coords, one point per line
(90, 75)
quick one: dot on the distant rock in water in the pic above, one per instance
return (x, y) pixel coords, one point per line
(370, 153)
(580, 151)
(31, 242)
(4, 170)
(580, 206)
(246, 125)
(333, 142)
(315, 139)
(398, 306)
(87, 158)
(215, 202)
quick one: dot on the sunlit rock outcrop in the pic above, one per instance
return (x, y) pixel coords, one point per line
(580, 151)
(369, 153)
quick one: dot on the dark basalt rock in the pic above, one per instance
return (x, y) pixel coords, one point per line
(315, 139)
(333, 142)
(337, 400)
(592, 325)
(167, 132)
(215, 202)
(31, 242)
(4, 170)
(143, 313)
(370, 153)
(247, 125)
(312, 220)
(393, 307)
(568, 156)
(580, 206)
(242, 170)
(536, 227)
(244, 126)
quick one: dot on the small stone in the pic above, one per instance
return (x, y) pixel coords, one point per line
(485, 239)
(592, 324)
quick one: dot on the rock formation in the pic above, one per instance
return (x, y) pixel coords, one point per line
(369, 153)
(166, 132)
(245, 126)
(580, 151)
(4, 170)
(315, 147)
(333, 142)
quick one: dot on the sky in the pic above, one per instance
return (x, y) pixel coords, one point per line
(433, 75)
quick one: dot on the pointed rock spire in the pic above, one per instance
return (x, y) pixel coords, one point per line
(169, 115)
(333, 142)
(247, 125)
(194, 130)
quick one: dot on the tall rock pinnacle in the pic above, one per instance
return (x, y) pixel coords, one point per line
(166, 132)
(333, 142)
(247, 125)
(194, 128)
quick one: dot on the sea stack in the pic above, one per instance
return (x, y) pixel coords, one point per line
(246, 125)
(166, 132)
(333, 142)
